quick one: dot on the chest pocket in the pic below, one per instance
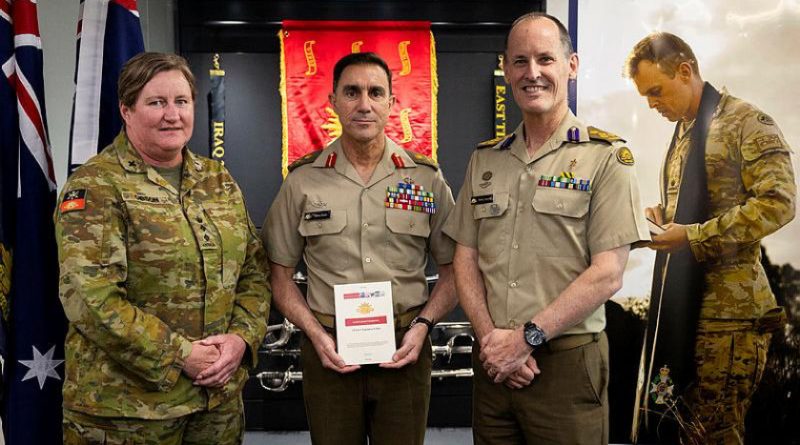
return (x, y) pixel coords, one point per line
(561, 217)
(156, 238)
(406, 239)
(325, 243)
(492, 230)
(230, 221)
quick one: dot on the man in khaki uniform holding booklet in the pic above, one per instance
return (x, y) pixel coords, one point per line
(544, 224)
(363, 210)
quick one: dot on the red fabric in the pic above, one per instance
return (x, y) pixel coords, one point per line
(310, 51)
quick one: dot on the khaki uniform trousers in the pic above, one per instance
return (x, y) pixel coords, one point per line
(730, 357)
(224, 425)
(566, 404)
(388, 406)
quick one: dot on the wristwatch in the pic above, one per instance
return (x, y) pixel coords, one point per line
(534, 335)
(422, 320)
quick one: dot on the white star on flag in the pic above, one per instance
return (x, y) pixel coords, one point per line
(42, 366)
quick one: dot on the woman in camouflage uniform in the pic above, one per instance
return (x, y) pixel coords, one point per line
(162, 277)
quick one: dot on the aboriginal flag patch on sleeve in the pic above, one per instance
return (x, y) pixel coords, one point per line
(74, 200)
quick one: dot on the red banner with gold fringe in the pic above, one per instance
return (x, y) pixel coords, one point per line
(309, 51)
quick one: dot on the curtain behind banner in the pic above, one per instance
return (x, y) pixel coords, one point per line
(309, 51)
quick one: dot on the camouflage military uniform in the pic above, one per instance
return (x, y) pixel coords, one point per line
(146, 270)
(751, 194)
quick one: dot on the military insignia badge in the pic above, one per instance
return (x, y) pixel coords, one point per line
(74, 200)
(766, 120)
(494, 209)
(487, 175)
(574, 134)
(624, 156)
(661, 387)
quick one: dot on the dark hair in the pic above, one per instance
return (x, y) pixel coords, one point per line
(360, 59)
(144, 66)
(566, 40)
(667, 51)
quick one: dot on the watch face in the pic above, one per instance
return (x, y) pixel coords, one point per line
(533, 336)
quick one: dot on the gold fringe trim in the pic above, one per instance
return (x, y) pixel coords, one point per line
(434, 104)
(284, 111)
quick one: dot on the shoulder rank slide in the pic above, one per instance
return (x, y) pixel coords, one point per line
(420, 158)
(504, 141)
(600, 135)
(307, 159)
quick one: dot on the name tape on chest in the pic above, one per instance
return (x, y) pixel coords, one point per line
(314, 216)
(411, 197)
(482, 199)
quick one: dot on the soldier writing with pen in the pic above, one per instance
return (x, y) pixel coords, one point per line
(726, 183)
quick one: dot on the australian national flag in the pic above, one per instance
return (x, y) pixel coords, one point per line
(109, 34)
(35, 323)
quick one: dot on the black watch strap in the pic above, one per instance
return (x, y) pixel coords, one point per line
(422, 320)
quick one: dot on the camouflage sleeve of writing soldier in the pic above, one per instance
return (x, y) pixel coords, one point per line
(253, 295)
(92, 257)
(768, 179)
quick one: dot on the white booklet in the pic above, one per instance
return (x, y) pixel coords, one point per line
(364, 322)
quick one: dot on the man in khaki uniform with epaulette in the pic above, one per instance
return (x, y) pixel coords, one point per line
(543, 226)
(743, 174)
(339, 211)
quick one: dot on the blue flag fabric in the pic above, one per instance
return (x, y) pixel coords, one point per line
(109, 34)
(36, 325)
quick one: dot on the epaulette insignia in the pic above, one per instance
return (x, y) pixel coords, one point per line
(307, 159)
(600, 135)
(420, 158)
(491, 142)
(506, 141)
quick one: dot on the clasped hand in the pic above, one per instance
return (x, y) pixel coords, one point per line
(213, 360)
(507, 358)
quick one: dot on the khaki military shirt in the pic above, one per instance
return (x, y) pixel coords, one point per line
(345, 232)
(751, 193)
(534, 236)
(144, 272)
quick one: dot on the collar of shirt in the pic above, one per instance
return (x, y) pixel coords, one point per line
(519, 147)
(131, 161)
(385, 167)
